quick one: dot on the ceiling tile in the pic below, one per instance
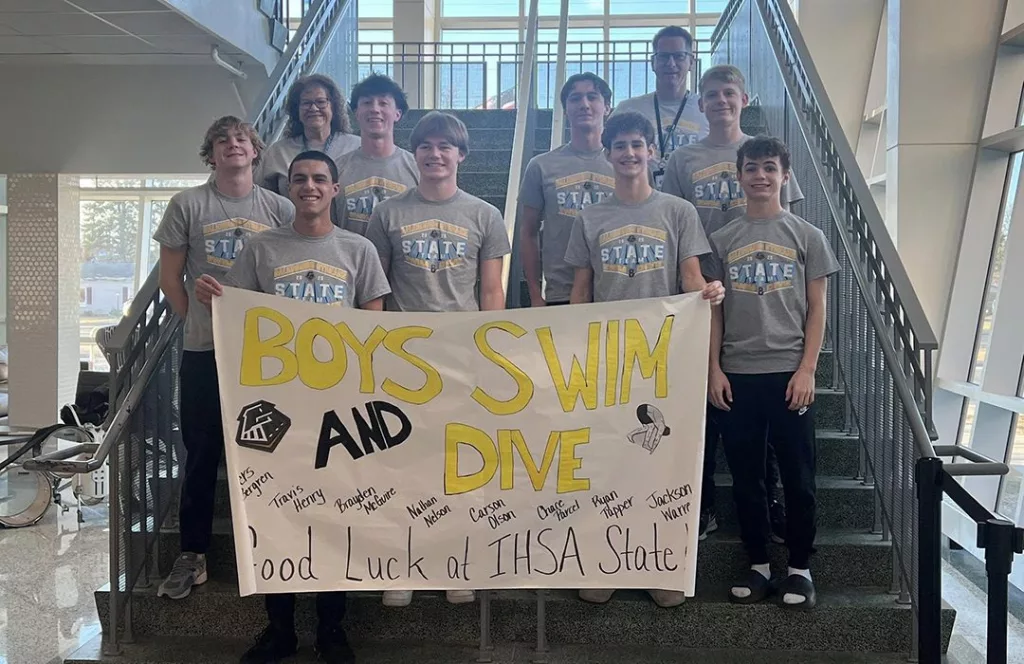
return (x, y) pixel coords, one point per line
(43, 6)
(119, 5)
(77, 23)
(106, 45)
(27, 45)
(152, 23)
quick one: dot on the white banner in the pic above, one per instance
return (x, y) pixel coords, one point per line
(553, 447)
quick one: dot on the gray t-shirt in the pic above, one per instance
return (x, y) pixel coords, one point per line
(340, 268)
(560, 184)
(366, 181)
(213, 229)
(434, 249)
(635, 248)
(705, 174)
(692, 125)
(272, 172)
(765, 266)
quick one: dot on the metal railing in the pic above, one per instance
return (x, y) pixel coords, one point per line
(142, 440)
(486, 75)
(881, 340)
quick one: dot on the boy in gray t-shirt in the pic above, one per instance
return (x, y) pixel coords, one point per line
(314, 261)
(765, 343)
(435, 240)
(639, 243)
(379, 169)
(203, 231)
(559, 184)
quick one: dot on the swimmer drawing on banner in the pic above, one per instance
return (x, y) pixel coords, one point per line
(652, 430)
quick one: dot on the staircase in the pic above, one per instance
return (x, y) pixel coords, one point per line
(858, 618)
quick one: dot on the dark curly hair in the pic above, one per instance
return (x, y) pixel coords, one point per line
(339, 112)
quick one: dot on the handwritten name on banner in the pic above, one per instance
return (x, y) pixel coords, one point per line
(533, 448)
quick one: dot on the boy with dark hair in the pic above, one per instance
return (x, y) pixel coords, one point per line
(704, 173)
(673, 110)
(765, 343)
(203, 231)
(640, 243)
(378, 169)
(436, 242)
(559, 184)
(313, 261)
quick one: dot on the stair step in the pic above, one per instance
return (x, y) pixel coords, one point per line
(844, 558)
(838, 455)
(198, 650)
(850, 620)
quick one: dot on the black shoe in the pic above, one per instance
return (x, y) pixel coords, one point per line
(332, 647)
(777, 514)
(708, 524)
(272, 645)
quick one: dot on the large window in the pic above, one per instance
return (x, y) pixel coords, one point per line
(3, 260)
(117, 218)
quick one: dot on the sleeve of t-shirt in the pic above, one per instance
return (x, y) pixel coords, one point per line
(672, 181)
(692, 240)
(531, 193)
(286, 211)
(243, 271)
(372, 282)
(819, 261)
(494, 240)
(173, 229)
(712, 265)
(377, 234)
(791, 192)
(577, 253)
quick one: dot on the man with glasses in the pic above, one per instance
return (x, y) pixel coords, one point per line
(674, 112)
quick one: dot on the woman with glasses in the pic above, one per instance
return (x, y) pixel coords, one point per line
(317, 120)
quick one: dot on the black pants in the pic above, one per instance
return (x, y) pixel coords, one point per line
(330, 610)
(712, 432)
(203, 436)
(760, 416)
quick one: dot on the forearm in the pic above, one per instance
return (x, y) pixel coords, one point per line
(492, 299)
(814, 336)
(717, 333)
(174, 291)
(530, 253)
(582, 291)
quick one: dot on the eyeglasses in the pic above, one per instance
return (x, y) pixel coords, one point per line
(679, 57)
(319, 103)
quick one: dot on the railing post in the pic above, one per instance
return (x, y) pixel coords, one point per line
(540, 656)
(486, 649)
(928, 478)
(1000, 539)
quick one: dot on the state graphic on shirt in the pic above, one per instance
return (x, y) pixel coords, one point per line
(685, 133)
(716, 187)
(762, 267)
(434, 245)
(632, 250)
(225, 239)
(312, 281)
(575, 192)
(360, 197)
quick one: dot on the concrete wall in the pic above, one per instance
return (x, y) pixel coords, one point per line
(244, 27)
(113, 119)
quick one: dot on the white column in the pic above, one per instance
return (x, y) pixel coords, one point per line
(43, 278)
(842, 36)
(414, 22)
(940, 60)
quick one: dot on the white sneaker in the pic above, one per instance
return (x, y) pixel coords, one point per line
(460, 596)
(597, 595)
(188, 570)
(397, 597)
(667, 598)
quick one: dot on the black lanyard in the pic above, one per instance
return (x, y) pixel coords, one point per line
(672, 127)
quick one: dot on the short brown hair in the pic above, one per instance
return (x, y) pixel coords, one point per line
(444, 125)
(762, 147)
(627, 122)
(672, 31)
(723, 74)
(340, 122)
(221, 128)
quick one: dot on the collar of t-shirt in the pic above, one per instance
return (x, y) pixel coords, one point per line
(654, 194)
(421, 199)
(313, 238)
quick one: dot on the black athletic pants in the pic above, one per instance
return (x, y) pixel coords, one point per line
(712, 432)
(760, 416)
(330, 610)
(203, 436)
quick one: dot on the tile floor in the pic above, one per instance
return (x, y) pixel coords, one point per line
(48, 573)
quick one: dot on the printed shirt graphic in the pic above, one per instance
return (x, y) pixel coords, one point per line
(766, 266)
(367, 181)
(692, 125)
(214, 229)
(635, 249)
(434, 249)
(560, 184)
(340, 268)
